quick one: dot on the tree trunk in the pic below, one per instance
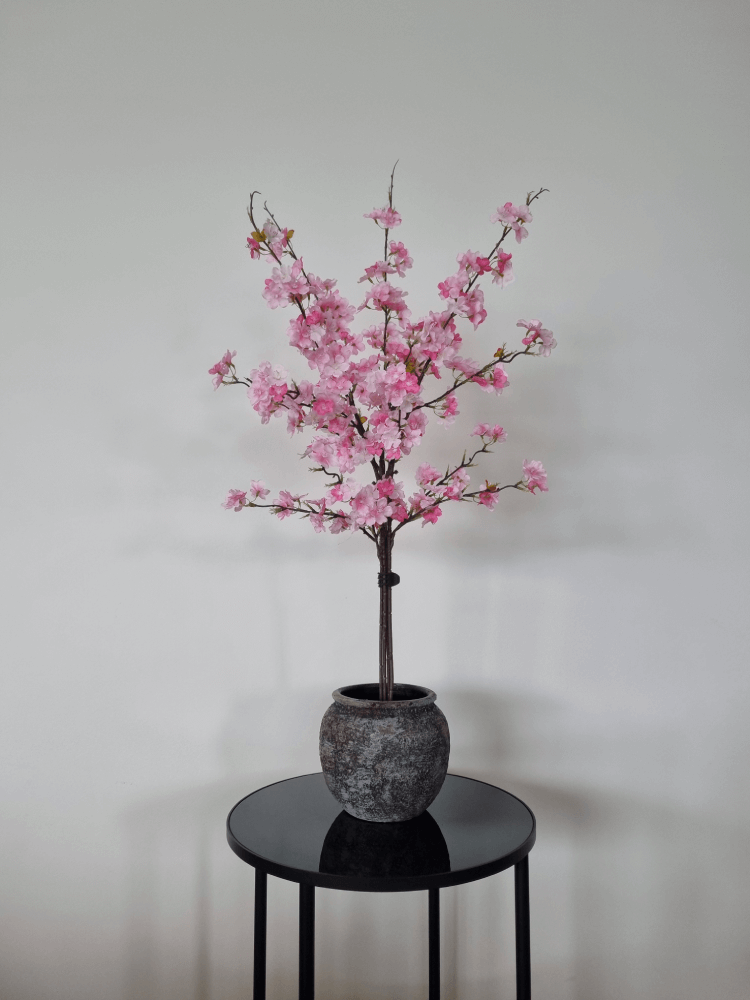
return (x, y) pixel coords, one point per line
(385, 545)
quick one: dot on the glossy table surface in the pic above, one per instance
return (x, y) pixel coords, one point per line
(297, 831)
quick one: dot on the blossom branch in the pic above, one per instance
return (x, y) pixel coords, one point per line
(390, 205)
(371, 410)
(489, 491)
(506, 358)
(308, 510)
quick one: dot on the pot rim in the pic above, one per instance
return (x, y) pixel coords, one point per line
(342, 698)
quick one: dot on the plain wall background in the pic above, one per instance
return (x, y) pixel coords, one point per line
(164, 657)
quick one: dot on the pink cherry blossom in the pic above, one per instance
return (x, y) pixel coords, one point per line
(285, 502)
(368, 508)
(222, 368)
(235, 500)
(269, 385)
(258, 489)
(323, 450)
(533, 326)
(448, 409)
(535, 476)
(472, 261)
(305, 391)
(427, 474)
(496, 432)
(378, 271)
(502, 273)
(342, 492)
(318, 522)
(423, 504)
(465, 303)
(471, 305)
(324, 406)
(513, 216)
(254, 248)
(536, 332)
(431, 515)
(499, 379)
(277, 239)
(295, 418)
(390, 489)
(281, 241)
(384, 295)
(339, 426)
(338, 523)
(398, 511)
(464, 365)
(414, 430)
(391, 386)
(489, 498)
(506, 214)
(452, 286)
(285, 285)
(433, 336)
(495, 383)
(386, 217)
(384, 436)
(319, 286)
(400, 257)
(323, 336)
(456, 485)
(373, 335)
(510, 213)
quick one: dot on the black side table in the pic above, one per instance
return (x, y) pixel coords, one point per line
(297, 831)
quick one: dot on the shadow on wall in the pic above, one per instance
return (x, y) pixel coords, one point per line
(630, 897)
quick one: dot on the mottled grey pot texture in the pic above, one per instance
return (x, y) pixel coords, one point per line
(384, 761)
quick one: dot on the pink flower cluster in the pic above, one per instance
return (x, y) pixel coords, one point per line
(368, 399)
(268, 389)
(534, 476)
(222, 368)
(513, 216)
(493, 434)
(270, 239)
(537, 333)
(386, 217)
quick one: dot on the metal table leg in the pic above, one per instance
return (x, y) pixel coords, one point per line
(434, 937)
(259, 936)
(306, 942)
(523, 946)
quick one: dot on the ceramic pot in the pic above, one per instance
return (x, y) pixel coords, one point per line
(384, 761)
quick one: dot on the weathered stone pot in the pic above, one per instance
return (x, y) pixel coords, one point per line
(384, 761)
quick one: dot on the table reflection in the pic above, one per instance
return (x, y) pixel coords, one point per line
(382, 850)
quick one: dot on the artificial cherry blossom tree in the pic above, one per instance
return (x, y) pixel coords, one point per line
(374, 390)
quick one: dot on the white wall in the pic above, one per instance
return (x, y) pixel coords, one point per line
(165, 657)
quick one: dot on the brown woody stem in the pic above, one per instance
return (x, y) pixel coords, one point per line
(385, 673)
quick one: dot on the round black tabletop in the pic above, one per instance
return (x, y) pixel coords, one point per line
(296, 830)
